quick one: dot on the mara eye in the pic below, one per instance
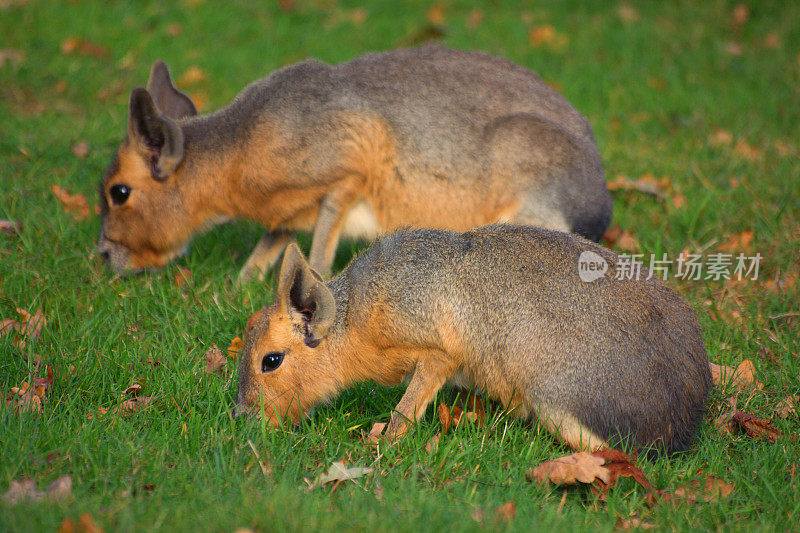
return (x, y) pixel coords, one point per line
(119, 194)
(271, 361)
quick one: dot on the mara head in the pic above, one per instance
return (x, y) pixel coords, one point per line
(286, 367)
(145, 220)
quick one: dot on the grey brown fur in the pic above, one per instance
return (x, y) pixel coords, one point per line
(501, 308)
(426, 137)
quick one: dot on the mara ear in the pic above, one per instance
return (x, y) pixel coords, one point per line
(167, 98)
(301, 290)
(154, 135)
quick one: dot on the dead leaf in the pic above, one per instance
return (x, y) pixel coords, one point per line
(788, 406)
(746, 151)
(627, 242)
(742, 376)
(634, 523)
(474, 19)
(772, 40)
(134, 405)
(182, 277)
(436, 15)
(740, 15)
(27, 398)
(200, 99)
(80, 149)
(627, 13)
(579, 467)
(741, 242)
(215, 361)
(9, 55)
(734, 49)
(338, 472)
(11, 227)
(445, 417)
(711, 490)
(26, 490)
(678, 201)
(548, 36)
(235, 348)
(134, 389)
(433, 443)
(647, 184)
(506, 512)
(174, 29)
(192, 76)
(757, 428)
(75, 204)
(82, 46)
(619, 465)
(720, 137)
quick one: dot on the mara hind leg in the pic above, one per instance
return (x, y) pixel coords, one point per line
(570, 430)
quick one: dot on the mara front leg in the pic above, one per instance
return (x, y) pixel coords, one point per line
(264, 255)
(432, 370)
(327, 230)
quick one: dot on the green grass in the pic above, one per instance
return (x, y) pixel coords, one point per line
(654, 90)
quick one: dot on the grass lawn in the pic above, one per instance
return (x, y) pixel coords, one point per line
(702, 96)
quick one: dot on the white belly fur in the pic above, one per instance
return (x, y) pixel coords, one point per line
(360, 222)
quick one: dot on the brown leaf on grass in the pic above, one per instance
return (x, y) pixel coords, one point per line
(29, 398)
(720, 137)
(215, 361)
(445, 417)
(757, 428)
(634, 522)
(734, 49)
(182, 277)
(339, 472)
(25, 490)
(192, 76)
(647, 184)
(569, 470)
(134, 405)
(174, 29)
(621, 239)
(746, 151)
(200, 99)
(74, 204)
(712, 489)
(788, 406)
(85, 525)
(433, 443)
(9, 55)
(740, 15)
(740, 242)
(235, 347)
(474, 19)
(80, 149)
(11, 227)
(506, 512)
(548, 36)
(85, 47)
(135, 388)
(619, 465)
(743, 375)
(771, 40)
(436, 15)
(627, 13)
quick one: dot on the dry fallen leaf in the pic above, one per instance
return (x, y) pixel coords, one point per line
(758, 428)
(547, 35)
(506, 512)
(235, 347)
(192, 76)
(26, 490)
(215, 361)
(9, 55)
(80, 149)
(134, 405)
(741, 242)
(647, 184)
(75, 204)
(436, 14)
(85, 525)
(338, 472)
(174, 29)
(788, 406)
(182, 276)
(82, 46)
(10, 227)
(711, 490)
(771, 40)
(742, 376)
(746, 151)
(474, 18)
(720, 137)
(627, 13)
(620, 465)
(30, 397)
(579, 467)
(740, 15)
(634, 522)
